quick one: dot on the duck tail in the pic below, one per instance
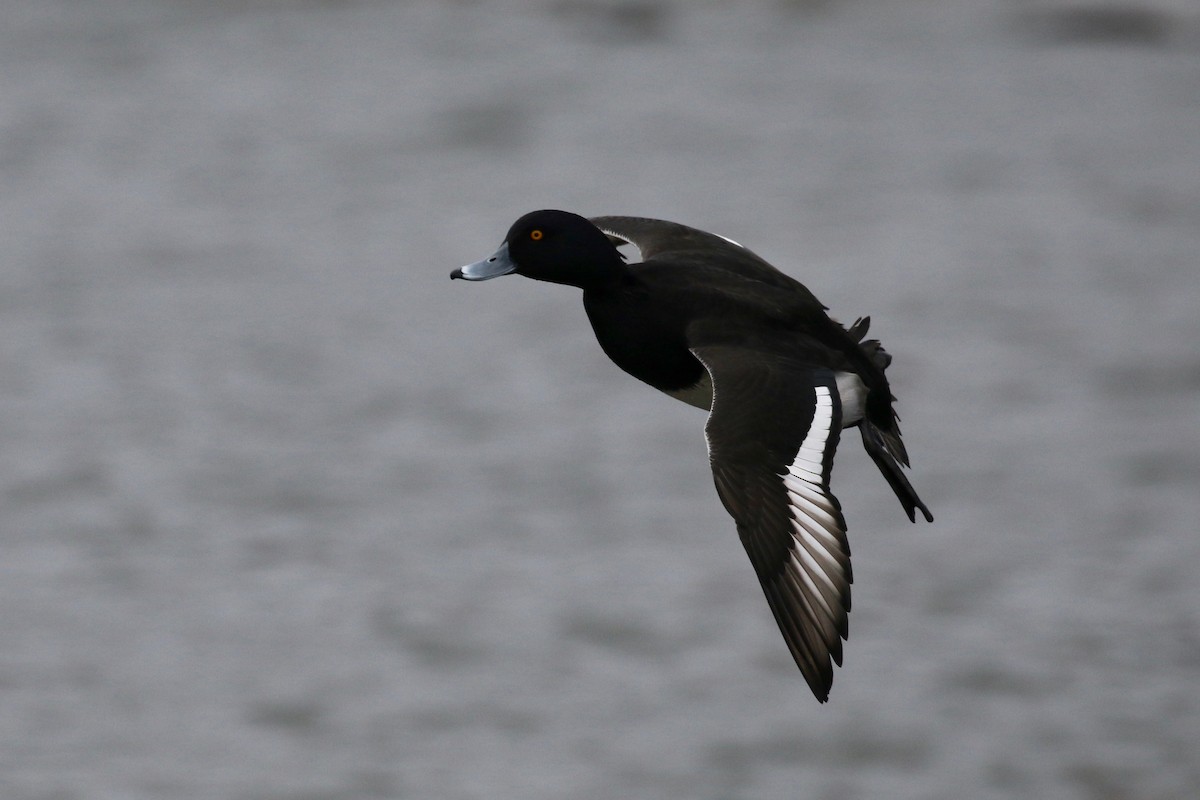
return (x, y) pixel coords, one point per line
(872, 347)
(884, 444)
(887, 451)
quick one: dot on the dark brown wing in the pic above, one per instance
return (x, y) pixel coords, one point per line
(772, 433)
(660, 240)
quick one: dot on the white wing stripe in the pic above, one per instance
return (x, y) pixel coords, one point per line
(806, 528)
(804, 560)
(818, 431)
(817, 552)
(821, 619)
(803, 474)
(824, 517)
(807, 492)
(823, 546)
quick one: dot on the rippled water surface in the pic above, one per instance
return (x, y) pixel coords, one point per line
(286, 515)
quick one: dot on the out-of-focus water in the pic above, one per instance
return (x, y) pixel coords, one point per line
(286, 514)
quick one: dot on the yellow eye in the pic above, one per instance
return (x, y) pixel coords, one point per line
(536, 235)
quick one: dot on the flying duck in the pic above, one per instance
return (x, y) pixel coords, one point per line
(705, 320)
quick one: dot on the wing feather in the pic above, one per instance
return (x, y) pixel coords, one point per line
(772, 433)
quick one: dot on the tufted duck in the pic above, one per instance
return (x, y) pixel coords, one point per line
(706, 321)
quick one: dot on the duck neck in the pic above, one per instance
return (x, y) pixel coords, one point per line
(602, 276)
(596, 274)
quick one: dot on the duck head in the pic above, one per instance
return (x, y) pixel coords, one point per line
(554, 246)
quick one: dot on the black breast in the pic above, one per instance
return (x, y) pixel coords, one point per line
(643, 336)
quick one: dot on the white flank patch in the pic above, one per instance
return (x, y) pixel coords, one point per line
(853, 394)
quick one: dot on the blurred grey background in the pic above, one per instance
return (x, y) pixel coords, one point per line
(287, 515)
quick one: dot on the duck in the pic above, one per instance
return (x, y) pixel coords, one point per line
(708, 322)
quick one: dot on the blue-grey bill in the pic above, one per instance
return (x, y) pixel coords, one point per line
(495, 265)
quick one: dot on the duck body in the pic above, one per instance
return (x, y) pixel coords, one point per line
(708, 322)
(644, 331)
(648, 322)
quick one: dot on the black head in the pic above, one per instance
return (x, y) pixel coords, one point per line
(554, 246)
